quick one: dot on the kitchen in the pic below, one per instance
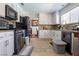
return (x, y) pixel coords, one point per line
(24, 27)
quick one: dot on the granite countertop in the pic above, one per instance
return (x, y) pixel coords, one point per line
(68, 30)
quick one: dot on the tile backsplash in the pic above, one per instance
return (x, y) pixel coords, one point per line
(48, 27)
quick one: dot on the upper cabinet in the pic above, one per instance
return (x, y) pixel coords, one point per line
(65, 19)
(49, 18)
(74, 15)
(71, 16)
(2, 9)
(57, 17)
(44, 18)
(15, 6)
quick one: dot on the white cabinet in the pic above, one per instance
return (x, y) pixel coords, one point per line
(42, 34)
(2, 9)
(45, 18)
(45, 34)
(65, 19)
(7, 43)
(10, 47)
(71, 16)
(15, 6)
(3, 51)
(53, 34)
(74, 15)
(56, 35)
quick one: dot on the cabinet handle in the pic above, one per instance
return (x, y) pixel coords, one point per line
(6, 42)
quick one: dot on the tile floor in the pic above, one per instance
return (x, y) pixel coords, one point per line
(42, 47)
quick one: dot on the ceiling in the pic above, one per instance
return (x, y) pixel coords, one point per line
(42, 7)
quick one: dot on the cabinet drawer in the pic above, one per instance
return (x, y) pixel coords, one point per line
(2, 36)
(10, 34)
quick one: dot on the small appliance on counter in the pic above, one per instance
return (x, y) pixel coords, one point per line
(11, 26)
(5, 24)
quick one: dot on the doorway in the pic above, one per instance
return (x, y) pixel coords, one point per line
(35, 28)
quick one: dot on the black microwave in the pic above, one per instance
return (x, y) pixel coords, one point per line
(10, 13)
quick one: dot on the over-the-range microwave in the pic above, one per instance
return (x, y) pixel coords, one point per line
(10, 13)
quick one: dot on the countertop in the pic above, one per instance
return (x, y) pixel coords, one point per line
(68, 30)
(63, 30)
(2, 30)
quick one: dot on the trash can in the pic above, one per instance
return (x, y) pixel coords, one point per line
(59, 46)
(27, 40)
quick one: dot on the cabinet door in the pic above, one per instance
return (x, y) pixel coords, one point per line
(65, 19)
(58, 35)
(10, 46)
(2, 9)
(3, 48)
(74, 15)
(41, 34)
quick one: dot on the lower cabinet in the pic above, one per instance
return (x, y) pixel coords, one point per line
(56, 35)
(3, 47)
(7, 43)
(45, 34)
